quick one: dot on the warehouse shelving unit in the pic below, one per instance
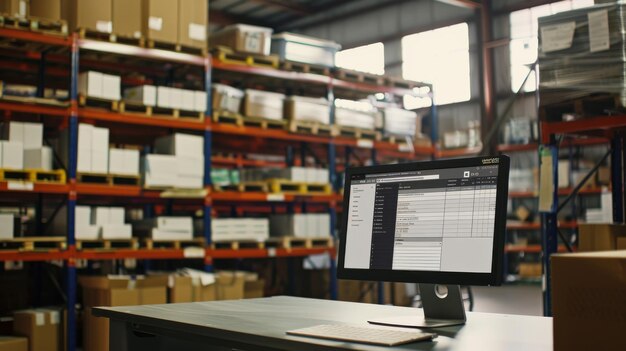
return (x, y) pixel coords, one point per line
(587, 131)
(71, 52)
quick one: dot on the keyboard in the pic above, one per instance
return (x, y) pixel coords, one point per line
(363, 335)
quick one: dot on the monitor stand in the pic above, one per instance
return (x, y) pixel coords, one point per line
(440, 309)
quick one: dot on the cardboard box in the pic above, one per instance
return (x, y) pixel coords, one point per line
(530, 269)
(183, 224)
(192, 23)
(100, 139)
(90, 84)
(40, 158)
(100, 161)
(41, 327)
(11, 155)
(621, 243)
(604, 176)
(124, 162)
(180, 289)
(90, 14)
(15, 8)
(100, 215)
(253, 286)
(588, 299)
(115, 291)
(301, 108)
(263, 104)
(164, 98)
(160, 20)
(116, 231)
(7, 229)
(190, 165)
(243, 38)
(599, 237)
(230, 285)
(13, 343)
(126, 17)
(48, 9)
(32, 136)
(111, 87)
(199, 101)
(116, 215)
(180, 145)
(226, 98)
(188, 100)
(176, 98)
(144, 94)
(189, 181)
(87, 232)
(165, 234)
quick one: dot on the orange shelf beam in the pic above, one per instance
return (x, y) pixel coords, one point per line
(126, 118)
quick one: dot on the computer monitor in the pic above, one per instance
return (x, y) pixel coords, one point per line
(440, 224)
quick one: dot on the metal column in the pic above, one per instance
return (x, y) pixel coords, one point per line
(208, 146)
(549, 229)
(617, 178)
(332, 206)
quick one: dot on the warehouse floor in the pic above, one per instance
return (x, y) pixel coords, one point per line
(510, 299)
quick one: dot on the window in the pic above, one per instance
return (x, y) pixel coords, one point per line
(524, 43)
(368, 58)
(439, 57)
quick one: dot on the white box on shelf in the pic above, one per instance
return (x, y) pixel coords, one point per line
(83, 215)
(100, 161)
(12, 155)
(116, 161)
(323, 224)
(180, 144)
(131, 162)
(87, 232)
(32, 136)
(6, 226)
(190, 165)
(144, 95)
(160, 165)
(111, 87)
(116, 215)
(188, 100)
(90, 84)
(312, 225)
(85, 136)
(12, 131)
(189, 182)
(159, 180)
(100, 139)
(172, 223)
(100, 215)
(161, 234)
(199, 101)
(322, 175)
(116, 231)
(176, 98)
(84, 160)
(164, 97)
(297, 174)
(39, 158)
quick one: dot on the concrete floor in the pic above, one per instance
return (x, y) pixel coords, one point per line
(509, 299)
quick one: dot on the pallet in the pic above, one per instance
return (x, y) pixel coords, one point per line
(244, 187)
(86, 33)
(227, 55)
(263, 123)
(107, 244)
(151, 244)
(293, 66)
(310, 127)
(581, 106)
(87, 101)
(394, 139)
(35, 24)
(135, 108)
(237, 244)
(32, 100)
(359, 77)
(33, 175)
(358, 133)
(227, 117)
(291, 242)
(157, 44)
(318, 188)
(108, 179)
(178, 113)
(33, 243)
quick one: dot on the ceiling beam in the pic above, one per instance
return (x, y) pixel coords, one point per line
(286, 6)
(521, 6)
(468, 4)
(223, 19)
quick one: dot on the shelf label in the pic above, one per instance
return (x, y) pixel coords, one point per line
(557, 37)
(197, 31)
(155, 23)
(24, 186)
(275, 197)
(365, 143)
(104, 26)
(193, 252)
(271, 252)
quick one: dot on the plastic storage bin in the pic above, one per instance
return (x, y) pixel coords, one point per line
(300, 48)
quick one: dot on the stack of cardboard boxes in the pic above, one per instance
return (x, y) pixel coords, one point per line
(93, 149)
(301, 225)
(99, 85)
(253, 229)
(182, 22)
(167, 97)
(295, 174)
(179, 162)
(22, 147)
(190, 285)
(42, 328)
(172, 228)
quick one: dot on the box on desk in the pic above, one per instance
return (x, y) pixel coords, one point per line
(588, 292)
(115, 291)
(599, 237)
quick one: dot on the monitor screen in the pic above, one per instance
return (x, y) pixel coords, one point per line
(437, 219)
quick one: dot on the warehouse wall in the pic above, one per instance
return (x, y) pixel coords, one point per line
(391, 23)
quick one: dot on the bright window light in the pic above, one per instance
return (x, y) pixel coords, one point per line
(524, 42)
(439, 57)
(368, 58)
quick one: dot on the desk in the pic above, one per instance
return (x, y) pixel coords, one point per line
(260, 324)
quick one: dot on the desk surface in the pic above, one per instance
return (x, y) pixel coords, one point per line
(265, 321)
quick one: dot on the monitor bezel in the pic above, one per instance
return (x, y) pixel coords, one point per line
(494, 278)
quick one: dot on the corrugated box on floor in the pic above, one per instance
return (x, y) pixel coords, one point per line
(13, 343)
(243, 38)
(90, 14)
(159, 20)
(230, 285)
(41, 327)
(588, 292)
(263, 104)
(180, 289)
(126, 16)
(599, 237)
(115, 291)
(192, 23)
(253, 286)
